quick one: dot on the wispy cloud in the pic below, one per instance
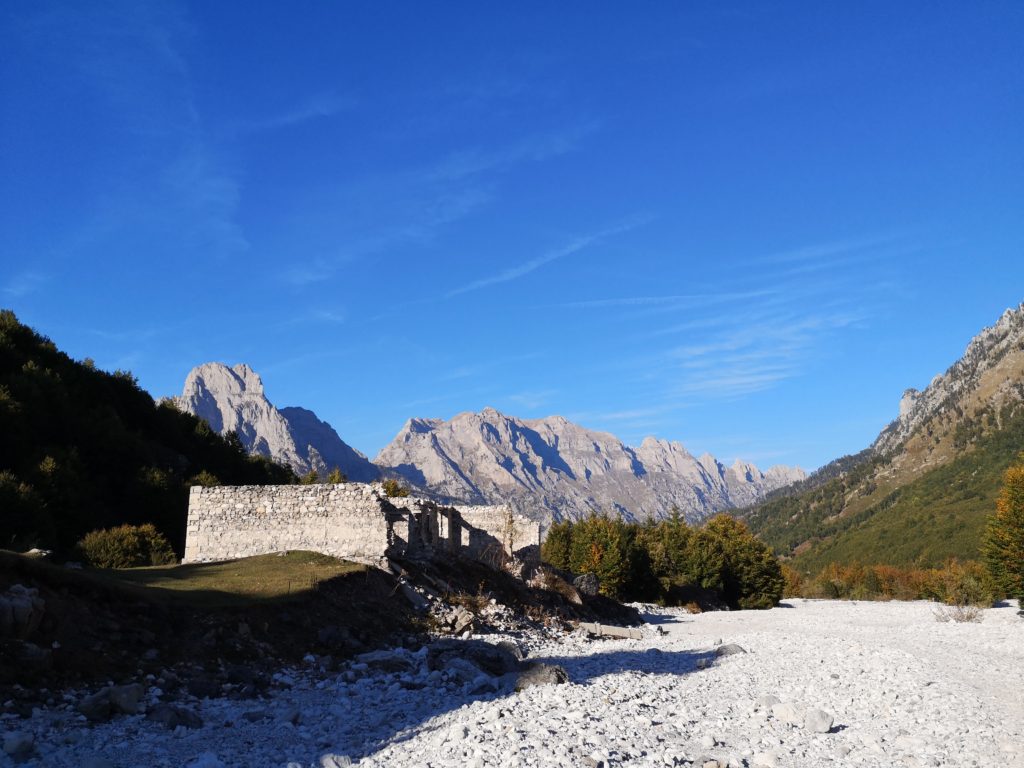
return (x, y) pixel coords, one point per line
(167, 174)
(531, 400)
(520, 270)
(24, 284)
(741, 360)
(414, 204)
(865, 247)
(677, 301)
(320, 106)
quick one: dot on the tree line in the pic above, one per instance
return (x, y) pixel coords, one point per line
(719, 564)
(83, 449)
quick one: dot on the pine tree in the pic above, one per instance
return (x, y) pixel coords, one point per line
(1003, 545)
(557, 545)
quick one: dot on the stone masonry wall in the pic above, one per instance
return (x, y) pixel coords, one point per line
(354, 521)
(227, 522)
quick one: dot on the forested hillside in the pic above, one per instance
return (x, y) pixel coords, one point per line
(82, 449)
(921, 492)
(939, 515)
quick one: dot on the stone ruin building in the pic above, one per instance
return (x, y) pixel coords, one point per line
(353, 521)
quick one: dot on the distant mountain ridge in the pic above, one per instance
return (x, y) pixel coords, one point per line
(568, 471)
(233, 400)
(549, 466)
(921, 491)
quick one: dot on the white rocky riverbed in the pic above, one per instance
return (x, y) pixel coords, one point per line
(901, 688)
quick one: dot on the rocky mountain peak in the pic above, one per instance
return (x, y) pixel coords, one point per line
(232, 399)
(249, 380)
(951, 390)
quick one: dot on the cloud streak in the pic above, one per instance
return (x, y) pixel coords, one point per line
(320, 106)
(24, 284)
(525, 268)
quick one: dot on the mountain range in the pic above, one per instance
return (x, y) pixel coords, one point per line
(917, 495)
(551, 466)
(921, 492)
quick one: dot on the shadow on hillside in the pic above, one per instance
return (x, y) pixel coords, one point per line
(373, 728)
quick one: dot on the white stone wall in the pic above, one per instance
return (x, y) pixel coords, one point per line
(349, 520)
(354, 521)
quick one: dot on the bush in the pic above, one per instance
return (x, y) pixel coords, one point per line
(394, 489)
(957, 583)
(127, 546)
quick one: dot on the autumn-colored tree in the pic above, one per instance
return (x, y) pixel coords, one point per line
(1003, 544)
(752, 576)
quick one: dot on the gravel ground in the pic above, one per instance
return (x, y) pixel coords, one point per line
(821, 683)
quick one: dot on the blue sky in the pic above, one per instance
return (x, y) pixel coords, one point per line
(747, 227)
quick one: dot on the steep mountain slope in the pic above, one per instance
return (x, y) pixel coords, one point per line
(233, 400)
(82, 449)
(921, 492)
(556, 467)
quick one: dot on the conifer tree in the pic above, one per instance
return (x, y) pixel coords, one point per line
(1003, 545)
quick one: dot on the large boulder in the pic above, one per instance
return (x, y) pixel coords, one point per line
(489, 658)
(21, 610)
(587, 584)
(541, 674)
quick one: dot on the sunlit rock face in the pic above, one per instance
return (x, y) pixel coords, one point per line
(232, 400)
(560, 469)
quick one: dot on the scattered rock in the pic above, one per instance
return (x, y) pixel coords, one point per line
(416, 600)
(206, 760)
(171, 716)
(21, 610)
(513, 649)
(729, 650)
(203, 687)
(587, 584)
(463, 621)
(765, 760)
(96, 707)
(331, 760)
(385, 661)
(464, 670)
(541, 674)
(490, 658)
(818, 721)
(788, 712)
(19, 744)
(125, 698)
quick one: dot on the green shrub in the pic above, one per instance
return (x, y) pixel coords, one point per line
(394, 489)
(205, 479)
(127, 546)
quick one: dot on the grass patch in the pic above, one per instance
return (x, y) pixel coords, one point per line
(236, 582)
